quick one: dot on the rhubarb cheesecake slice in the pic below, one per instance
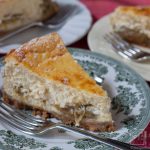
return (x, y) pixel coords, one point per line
(17, 13)
(132, 23)
(42, 74)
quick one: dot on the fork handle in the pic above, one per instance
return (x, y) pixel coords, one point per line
(19, 30)
(110, 142)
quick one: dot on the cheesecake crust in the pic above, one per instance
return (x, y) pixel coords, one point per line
(86, 124)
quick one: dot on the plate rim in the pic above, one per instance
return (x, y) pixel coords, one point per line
(142, 81)
(90, 19)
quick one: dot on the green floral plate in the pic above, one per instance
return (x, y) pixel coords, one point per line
(130, 108)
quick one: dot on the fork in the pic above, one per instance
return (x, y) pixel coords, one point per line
(126, 50)
(54, 23)
(31, 125)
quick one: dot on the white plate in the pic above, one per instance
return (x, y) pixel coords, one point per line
(72, 31)
(98, 44)
(130, 97)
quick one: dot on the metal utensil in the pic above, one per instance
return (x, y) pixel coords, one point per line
(127, 50)
(54, 23)
(35, 126)
(99, 80)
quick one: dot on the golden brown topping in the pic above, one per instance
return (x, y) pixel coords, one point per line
(136, 10)
(48, 57)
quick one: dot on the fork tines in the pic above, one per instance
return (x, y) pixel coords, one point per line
(19, 120)
(125, 49)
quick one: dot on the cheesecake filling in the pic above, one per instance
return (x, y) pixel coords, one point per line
(79, 114)
(79, 106)
(11, 17)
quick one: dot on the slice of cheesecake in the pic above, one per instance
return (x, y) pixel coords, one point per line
(17, 13)
(43, 74)
(132, 23)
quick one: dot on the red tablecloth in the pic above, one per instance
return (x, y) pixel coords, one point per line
(98, 9)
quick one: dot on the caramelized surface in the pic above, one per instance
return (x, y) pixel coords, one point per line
(144, 11)
(48, 57)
